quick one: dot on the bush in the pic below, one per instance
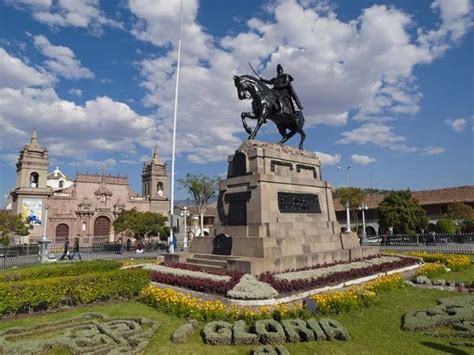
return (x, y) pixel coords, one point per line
(241, 336)
(334, 330)
(184, 332)
(446, 226)
(42, 294)
(217, 333)
(59, 270)
(249, 288)
(317, 330)
(268, 349)
(270, 331)
(297, 330)
(450, 310)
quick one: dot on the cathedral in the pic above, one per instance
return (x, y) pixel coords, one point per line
(86, 206)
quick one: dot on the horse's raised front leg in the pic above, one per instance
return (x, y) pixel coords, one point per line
(243, 115)
(261, 120)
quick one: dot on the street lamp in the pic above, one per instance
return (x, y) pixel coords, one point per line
(45, 237)
(363, 207)
(185, 214)
(348, 217)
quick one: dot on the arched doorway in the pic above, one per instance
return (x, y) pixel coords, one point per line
(101, 228)
(62, 231)
(370, 231)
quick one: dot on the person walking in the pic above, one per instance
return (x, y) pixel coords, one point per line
(76, 250)
(66, 249)
(129, 244)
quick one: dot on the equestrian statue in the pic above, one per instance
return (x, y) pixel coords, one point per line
(279, 104)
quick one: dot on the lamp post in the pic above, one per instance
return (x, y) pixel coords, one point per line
(363, 207)
(45, 237)
(44, 242)
(348, 216)
(185, 215)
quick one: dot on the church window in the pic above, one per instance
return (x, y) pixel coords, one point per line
(61, 184)
(84, 226)
(34, 179)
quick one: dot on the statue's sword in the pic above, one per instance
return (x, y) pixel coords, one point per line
(258, 76)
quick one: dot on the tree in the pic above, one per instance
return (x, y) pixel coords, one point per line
(446, 226)
(201, 189)
(460, 211)
(462, 214)
(400, 211)
(11, 225)
(354, 196)
(141, 225)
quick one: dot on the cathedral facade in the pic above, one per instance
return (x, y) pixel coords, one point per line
(84, 207)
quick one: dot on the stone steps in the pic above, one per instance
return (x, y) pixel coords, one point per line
(209, 261)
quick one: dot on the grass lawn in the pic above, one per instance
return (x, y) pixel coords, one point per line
(374, 330)
(460, 276)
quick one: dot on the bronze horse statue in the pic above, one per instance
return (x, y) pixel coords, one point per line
(266, 105)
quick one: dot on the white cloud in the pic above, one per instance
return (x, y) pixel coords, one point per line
(63, 13)
(365, 65)
(378, 134)
(433, 150)
(458, 124)
(96, 164)
(10, 158)
(75, 92)
(67, 129)
(14, 73)
(328, 159)
(362, 159)
(62, 60)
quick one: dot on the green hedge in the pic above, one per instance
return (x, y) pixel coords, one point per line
(33, 295)
(59, 270)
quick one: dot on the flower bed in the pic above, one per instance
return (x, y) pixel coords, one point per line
(311, 279)
(356, 297)
(431, 270)
(200, 268)
(455, 262)
(211, 284)
(188, 273)
(325, 271)
(184, 305)
(43, 294)
(60, 270)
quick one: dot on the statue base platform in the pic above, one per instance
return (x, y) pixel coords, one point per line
(278, 212)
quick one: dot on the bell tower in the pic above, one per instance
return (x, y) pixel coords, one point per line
(155, 183)
(31, 192)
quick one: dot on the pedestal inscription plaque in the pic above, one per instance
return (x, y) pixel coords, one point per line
(289, 202)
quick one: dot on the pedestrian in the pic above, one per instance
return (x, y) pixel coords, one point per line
(66, 249)
(129, 244)
(76, 250)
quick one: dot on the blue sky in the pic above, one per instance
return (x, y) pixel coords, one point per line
(387, 86)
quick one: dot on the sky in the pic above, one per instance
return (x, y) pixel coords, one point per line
(387, 86)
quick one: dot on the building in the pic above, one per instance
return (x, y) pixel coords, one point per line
(83, 207)
(434, 202)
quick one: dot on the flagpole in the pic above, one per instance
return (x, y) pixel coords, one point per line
(173, 152)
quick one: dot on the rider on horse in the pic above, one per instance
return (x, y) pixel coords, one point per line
(284, 91)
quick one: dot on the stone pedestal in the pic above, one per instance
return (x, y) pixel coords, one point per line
(43, 250)
(279, 213)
